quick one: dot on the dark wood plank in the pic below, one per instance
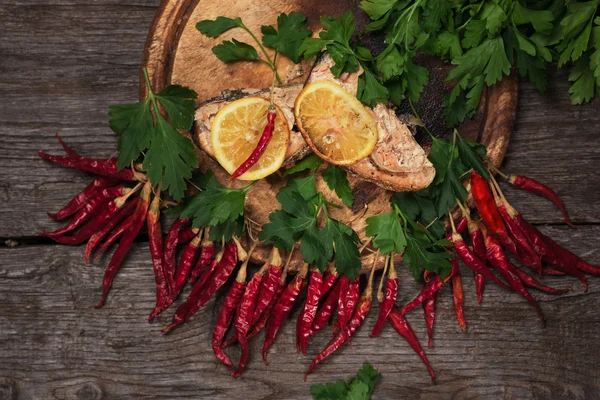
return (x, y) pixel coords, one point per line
(54, 345)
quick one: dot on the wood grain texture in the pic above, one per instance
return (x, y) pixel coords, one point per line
(63, 62)
(55, 346)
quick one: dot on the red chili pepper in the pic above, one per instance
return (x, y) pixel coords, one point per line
(329, 281)
(386, 303)
(470, 258)
(458, 296)
(231, 303)
(70, 152)
(401, 326)
(261, 146)
(207, 252)
(428, 290)
(283, 308)
(243, 318)
(307, 316)
(106, 168)
(200, 294)
(97, 237)
(484, 201)
(429, 309)
(498, 259)
(552, 271)
(116, 234)
(326, 311)
(99, 220)
(478, 244)
(530, 281)
(351, 302)
(462, 225)
(155, 241)
(358, 316)
(82, 198)
(93, 206)
(139, 217)
(186, 261)
(534, 186)
(268, 285)
(342, 314)
(187, 235)
(171, 242)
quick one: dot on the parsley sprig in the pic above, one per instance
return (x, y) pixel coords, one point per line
(321, 239)
(170, 156)
(359, 387)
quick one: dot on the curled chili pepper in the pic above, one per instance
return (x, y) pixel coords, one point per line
(362, 308)
(401, 326)
(283, 308)
(307, 316)
(530, 281)
(261, 146)
(139, 217)
(428, 290)
(82, 198)
(534, 186)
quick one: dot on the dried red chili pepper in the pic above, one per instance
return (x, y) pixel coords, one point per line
(534, 186)
(82, 198)
(429, 306)
(243, 318)
(114, 235)
(171, 242)
(358, 316)
(139, 217)
(351, 302)
(93, 206)
(329, 280)
(186, 261)
(97, 237)
(187, 235)
(307, 316)
(342, 317)
(261, 146)
(478, 243)
(326, 311)
(283, 308)
(99, 220)
(457, 295)
(155, 243)
(106, 168)
(498, 259)
(428, 290)
(484, 201)
(268, 285)
(386, 302)
(207, 251)
(200, 293)
(530, 281)
(401, 326)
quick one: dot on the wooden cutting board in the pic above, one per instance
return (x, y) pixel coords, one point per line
(176, 52)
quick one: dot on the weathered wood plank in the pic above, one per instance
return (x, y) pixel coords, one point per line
(54, 345)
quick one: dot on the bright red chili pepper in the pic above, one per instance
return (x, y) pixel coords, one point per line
(386, 303)
(532, 185)
(268, 285)
(261, 146)
(187, 235)
(307, 316)
(200, 293)
(329, 281)
(186, 262)
(231, 303)
(70, 152)
(478, 243)
(552, 271)
(207, 251)
(458, 296)
(351, 302)
(401, 326)
(91, 208)
(114, 235)
(428, 290)
(326, 311)
(155, 242)
(342, 315)
(358, 316)
(243, 318)
(97, 237)
(498, 259)
(82, 198)
(106, 168)
(429, 306)
(484, 201)
(530, 281)
(283, 308)
(171, 242)
(139, 217)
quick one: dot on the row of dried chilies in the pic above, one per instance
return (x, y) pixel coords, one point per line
(106, 212)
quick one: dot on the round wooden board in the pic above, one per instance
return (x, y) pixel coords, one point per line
(176, 52)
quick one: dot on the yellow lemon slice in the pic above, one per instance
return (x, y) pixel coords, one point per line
(236, 130)
(334, 123)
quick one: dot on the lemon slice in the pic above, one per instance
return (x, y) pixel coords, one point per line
(236, 130)
(334, 123)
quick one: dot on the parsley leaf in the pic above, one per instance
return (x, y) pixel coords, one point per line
(336, 180)
(234, 50)
(292, 32)
(217, 206)
(387, 232)
(359, 387)
(171, 156)
(216, 28)
(311, 161)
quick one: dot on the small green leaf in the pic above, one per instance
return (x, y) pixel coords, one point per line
(336, 180)
(214, 28)
(234, 50)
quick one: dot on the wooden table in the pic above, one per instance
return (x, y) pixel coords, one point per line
(62, 62)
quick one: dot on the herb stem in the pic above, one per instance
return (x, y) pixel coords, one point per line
(269, 62)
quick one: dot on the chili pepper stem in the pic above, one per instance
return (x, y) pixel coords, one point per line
(385, 268)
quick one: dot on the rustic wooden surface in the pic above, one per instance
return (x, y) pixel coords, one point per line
(62, 63)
